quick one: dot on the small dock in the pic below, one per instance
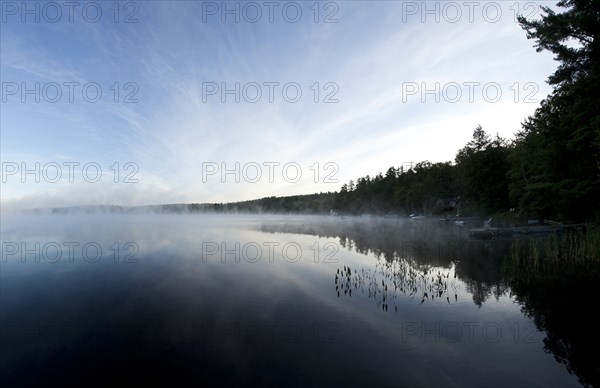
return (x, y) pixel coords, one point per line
(538, 230)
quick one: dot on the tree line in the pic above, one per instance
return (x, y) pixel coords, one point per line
(551, 170)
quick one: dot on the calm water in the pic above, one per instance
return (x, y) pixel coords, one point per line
(300, 301)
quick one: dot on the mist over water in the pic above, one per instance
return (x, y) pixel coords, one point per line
(263, 299)
(299, 193)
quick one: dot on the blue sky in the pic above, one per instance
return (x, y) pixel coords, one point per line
(168, 61)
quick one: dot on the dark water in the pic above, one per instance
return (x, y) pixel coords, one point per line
(274, 300)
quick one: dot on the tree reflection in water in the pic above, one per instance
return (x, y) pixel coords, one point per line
(421, 261)
(559, 295)
(419, 246)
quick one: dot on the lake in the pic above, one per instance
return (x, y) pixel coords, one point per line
(281, 300)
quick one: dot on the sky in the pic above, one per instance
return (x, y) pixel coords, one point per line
(153, 102)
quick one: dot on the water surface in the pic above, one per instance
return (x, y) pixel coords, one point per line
(272, 300)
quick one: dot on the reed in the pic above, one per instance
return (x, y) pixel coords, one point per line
(577, 252)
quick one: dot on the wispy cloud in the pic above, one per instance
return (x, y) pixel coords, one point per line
(170, 55)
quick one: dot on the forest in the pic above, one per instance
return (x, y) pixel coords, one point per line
(550, 170)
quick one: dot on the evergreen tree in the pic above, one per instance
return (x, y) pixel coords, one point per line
(556, 161)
